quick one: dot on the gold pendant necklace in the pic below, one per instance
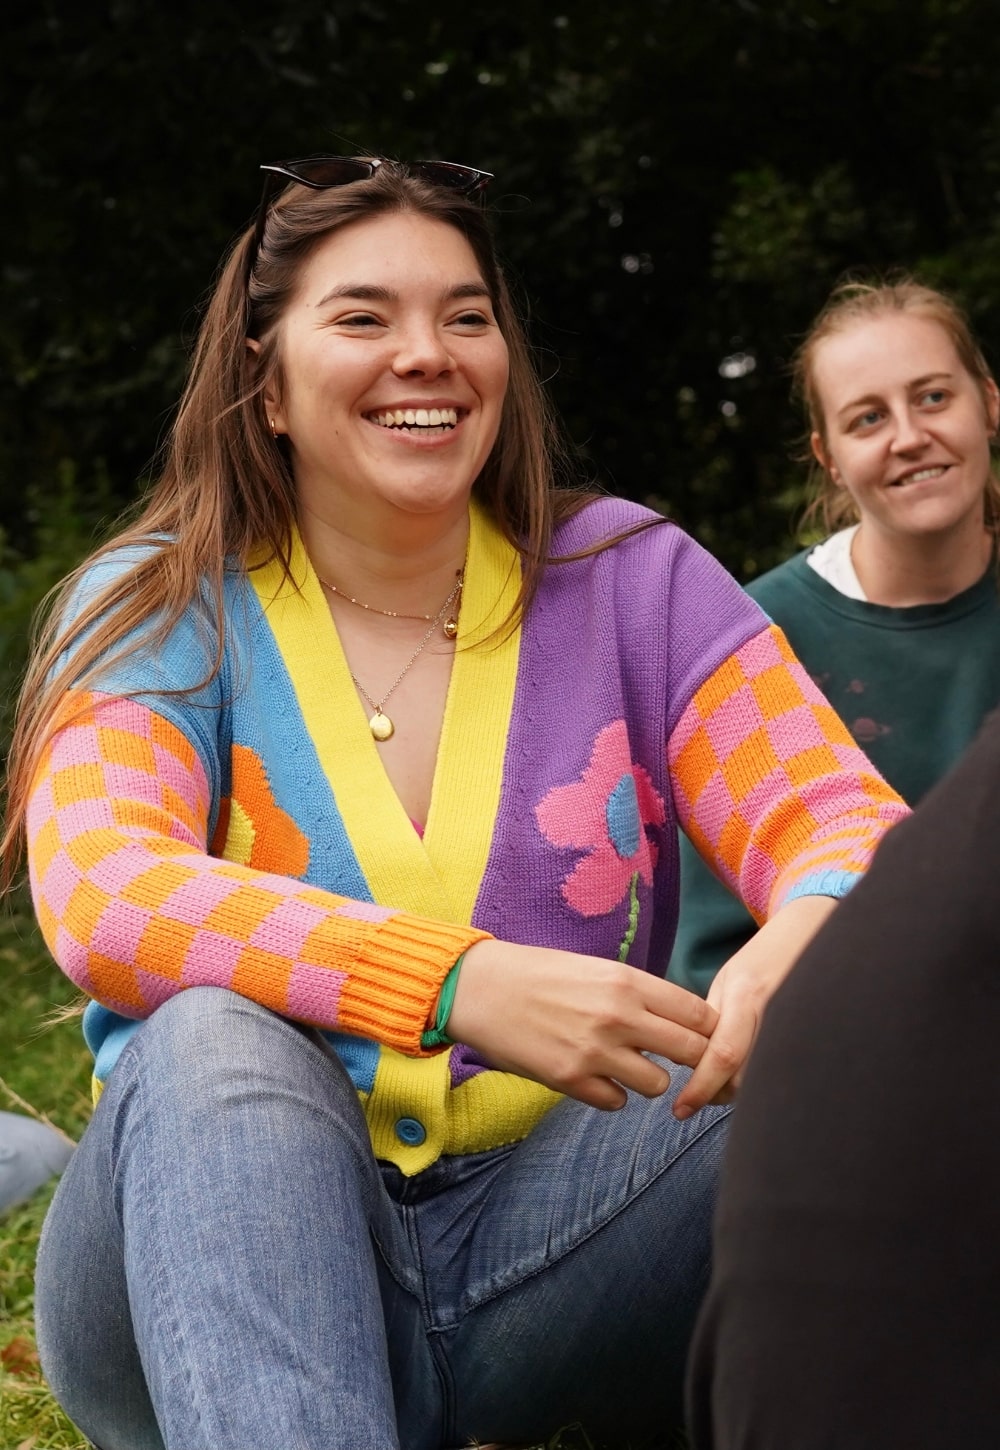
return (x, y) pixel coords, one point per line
(380, 724)
(450, 626)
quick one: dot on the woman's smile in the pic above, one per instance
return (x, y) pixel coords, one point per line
(418, 420)
(921, 475)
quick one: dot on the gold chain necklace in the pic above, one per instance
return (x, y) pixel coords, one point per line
(450, 626)
(380, 725)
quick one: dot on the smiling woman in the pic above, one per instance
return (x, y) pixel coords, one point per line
(387, 1149)
(359, 360)
(897, 614)
(389, 399)
(902, 427)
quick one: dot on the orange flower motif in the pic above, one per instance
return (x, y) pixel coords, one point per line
(253, 829)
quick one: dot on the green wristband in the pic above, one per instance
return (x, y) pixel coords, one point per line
(437, 1036)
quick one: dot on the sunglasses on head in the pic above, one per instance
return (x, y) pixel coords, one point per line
(322, 172)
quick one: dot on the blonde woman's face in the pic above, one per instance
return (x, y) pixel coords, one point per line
(906, 428)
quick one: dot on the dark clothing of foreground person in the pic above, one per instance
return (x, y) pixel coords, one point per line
(855, 1301)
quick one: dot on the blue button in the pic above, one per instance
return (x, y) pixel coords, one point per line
(408, 1130)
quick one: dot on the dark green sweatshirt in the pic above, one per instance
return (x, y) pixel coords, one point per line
(913, 687)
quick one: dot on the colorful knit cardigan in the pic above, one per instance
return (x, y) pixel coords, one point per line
(244, 834)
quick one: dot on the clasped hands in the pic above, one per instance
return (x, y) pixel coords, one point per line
(584, 1025)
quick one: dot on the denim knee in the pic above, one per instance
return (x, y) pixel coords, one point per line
(206, 1024)
(208, 1055)
(210, 1030)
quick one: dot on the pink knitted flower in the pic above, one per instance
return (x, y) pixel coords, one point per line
(606, 813)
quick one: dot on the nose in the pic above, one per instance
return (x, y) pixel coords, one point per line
(422, 351)
(910, 431)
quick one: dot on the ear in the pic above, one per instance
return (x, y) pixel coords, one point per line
(272, 403)
(992, 397)
(824, 459)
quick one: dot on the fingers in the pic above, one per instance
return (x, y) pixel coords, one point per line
(676, 1004)
(666, 1039)
(602, 1077)
(632, 1071)
(639, 1074)
(715, 1078)
(677, 1023)
(598, 1092)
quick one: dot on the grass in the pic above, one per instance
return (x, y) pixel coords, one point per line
(48, 1068)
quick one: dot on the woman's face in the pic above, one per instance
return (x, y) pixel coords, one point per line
(906, 427)
(392, 374)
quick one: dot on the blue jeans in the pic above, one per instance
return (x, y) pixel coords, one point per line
(225, 1265)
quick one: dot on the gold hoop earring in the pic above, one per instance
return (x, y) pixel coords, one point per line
(274, 431)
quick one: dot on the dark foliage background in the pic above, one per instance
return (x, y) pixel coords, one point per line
(679, 184)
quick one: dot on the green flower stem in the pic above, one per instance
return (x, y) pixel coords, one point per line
(633, 918)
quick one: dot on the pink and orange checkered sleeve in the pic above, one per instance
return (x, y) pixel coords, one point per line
(769, 784)
(135, 909)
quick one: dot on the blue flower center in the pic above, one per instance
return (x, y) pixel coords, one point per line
(622, 811)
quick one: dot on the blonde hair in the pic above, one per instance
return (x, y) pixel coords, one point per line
(831, 507)
(226, 489)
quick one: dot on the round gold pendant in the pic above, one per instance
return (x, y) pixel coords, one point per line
(381, 726)
(450, 627)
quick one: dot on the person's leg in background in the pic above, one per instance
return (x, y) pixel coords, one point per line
(30, 1154)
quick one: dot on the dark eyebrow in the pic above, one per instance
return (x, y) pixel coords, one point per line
(875, 397)
(360, 291)
(930, 378)
(369, 292)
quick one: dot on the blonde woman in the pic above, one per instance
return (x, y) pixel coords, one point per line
(896, 615)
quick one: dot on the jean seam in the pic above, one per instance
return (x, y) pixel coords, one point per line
(169, 1319)
(449, 1399)
(438, 1358)
(528, 1275)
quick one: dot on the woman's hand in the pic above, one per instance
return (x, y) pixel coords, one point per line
(577, 1024)
(740, 993)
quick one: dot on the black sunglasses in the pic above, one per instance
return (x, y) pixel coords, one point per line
(322, 172)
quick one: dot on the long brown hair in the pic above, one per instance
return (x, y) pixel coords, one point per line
(225, 491)
(830, 507)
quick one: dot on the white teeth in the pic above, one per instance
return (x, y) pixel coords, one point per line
(924, 473)
(417, 418)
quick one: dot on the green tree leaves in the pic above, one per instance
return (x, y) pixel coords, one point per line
(678, 182)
